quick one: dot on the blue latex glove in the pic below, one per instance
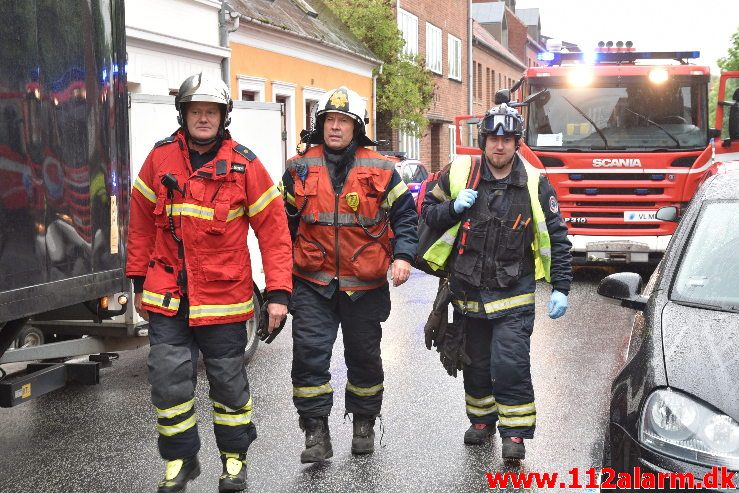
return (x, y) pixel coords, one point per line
(464, 200)
(557, 304)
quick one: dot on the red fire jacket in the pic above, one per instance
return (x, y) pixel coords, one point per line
(221, 200)
(343, 236)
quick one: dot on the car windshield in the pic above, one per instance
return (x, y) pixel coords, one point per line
(709, 270)
(640, 116)
(413, 172)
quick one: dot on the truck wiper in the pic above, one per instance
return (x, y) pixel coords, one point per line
(588, 119)
(677, 142)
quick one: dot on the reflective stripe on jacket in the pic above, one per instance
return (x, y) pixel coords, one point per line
(441, 250)
(221, 200)
(343, 236)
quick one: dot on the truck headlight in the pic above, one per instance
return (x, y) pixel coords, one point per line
(677, 425)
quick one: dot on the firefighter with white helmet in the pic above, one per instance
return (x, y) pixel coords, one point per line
(191, 207)
(343, 200)
(508, 233)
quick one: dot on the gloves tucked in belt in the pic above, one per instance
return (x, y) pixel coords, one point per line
(435, 329)
(263, 325)
(451, 350)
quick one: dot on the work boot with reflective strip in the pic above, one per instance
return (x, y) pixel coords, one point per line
(178, 473)
(233, 477)
(317, 439)
(363, 441)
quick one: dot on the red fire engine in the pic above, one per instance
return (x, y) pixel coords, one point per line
(619, 134)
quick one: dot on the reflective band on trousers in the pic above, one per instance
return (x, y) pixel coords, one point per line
(171, 430)
(497, 305)
(517, 415)
(482, 406)
(364, 391)
(232, 417)
(199, 311)
(312, 391)
(173, 411)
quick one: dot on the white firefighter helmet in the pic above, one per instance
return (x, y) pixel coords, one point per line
(342, 100)
(202, 87)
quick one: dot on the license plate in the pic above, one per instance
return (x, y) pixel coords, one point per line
(639, 216)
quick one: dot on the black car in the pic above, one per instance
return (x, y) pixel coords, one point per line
(675, 404)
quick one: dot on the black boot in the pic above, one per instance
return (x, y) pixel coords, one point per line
(513, 449)
(233, 477)
(477, 433)
(317, 439)
(178, 473)
(363, 441)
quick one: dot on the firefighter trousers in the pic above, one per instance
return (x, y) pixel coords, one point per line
(316, 320)
(172, 365)
(497, 383)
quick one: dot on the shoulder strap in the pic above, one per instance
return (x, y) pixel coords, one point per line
(245, 152)
(475, 171)
(168, 140)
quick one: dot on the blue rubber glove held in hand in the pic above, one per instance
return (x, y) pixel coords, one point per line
(464, 200)
(557, 304)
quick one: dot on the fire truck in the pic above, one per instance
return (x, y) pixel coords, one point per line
(619, 134)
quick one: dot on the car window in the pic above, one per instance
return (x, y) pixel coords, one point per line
(413, 173)
(709, 270)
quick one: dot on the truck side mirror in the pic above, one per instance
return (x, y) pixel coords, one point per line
(734, 121)
(714, 133)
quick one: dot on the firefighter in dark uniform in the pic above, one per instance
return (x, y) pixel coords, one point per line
(191, 207)
(508, 233)
(343, 200)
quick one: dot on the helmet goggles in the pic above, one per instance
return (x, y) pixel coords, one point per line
(507, 123)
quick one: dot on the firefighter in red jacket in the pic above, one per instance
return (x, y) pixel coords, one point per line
(343, 200)
(191, 207)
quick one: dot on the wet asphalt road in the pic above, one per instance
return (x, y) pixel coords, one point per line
(102, 438)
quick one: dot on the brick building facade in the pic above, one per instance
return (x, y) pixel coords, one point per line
(439, 32)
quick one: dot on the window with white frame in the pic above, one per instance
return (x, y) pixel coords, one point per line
(251, 88)
(433, 48)
(454, 52)
(410, 145)
(408, 26)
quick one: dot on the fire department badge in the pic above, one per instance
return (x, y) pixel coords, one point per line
(553, 205)
(339, 100)
(352, 200)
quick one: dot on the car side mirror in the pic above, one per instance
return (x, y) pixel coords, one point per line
(624, 287)
(667, 213)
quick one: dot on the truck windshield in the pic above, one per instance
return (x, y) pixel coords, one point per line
(639, 117)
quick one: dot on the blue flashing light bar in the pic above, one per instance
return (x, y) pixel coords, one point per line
(616, 56)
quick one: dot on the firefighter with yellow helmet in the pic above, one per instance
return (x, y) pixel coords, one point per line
(343, 201)
(191, 207)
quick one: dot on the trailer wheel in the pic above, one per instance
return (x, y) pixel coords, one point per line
(252, 341)
(29, 337)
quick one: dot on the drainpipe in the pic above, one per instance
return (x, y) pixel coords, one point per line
(224, 14)
(374, 103)
(470, 36)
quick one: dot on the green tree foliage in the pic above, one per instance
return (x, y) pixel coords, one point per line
(404, 87)
(727, 63)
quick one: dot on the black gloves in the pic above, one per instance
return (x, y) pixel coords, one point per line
(451, 350)
(435, 329)
(448, 339)
(263, 325)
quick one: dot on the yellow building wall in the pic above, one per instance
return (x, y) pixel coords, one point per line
(246, 60)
